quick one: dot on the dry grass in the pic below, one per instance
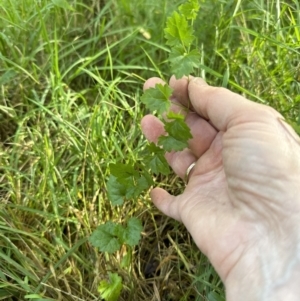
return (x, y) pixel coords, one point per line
(70, 87)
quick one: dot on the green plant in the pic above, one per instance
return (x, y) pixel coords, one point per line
(129, 180)
(110, 237)
(179, 34)
(110, 291)
(71, 74)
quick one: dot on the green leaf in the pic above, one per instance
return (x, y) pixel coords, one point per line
(142, 183)
(157, 99)
(132, 234)
(127, 181)
(148, 177)
(178, 134)
(178, 31)
(63, 4)
(159, 165)
(178, 128)
(116, 191)
(36, 297)
(190, 9)
(226, 77)
(183, 63)
(175, 116)
(120, 170)
(170, 143)
(32, 296)
(124, 173)
(126, 260)
(156, 161)
(110, 236)
(107, 237)
(213, 296)
(110, 291)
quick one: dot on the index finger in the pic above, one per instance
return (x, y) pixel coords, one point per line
(224, 108)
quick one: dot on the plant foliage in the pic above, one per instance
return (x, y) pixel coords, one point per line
(110, 290)
(129, 180)
(109, 237)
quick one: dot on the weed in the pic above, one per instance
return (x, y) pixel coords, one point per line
(70, 87)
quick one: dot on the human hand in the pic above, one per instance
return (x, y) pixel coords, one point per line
(242, 202)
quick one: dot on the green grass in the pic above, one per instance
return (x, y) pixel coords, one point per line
(70, 92)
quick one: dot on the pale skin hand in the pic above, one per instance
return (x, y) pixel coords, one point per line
(242, 202)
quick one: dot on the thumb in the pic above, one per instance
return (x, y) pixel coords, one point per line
(218, 105)
(165, 202)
